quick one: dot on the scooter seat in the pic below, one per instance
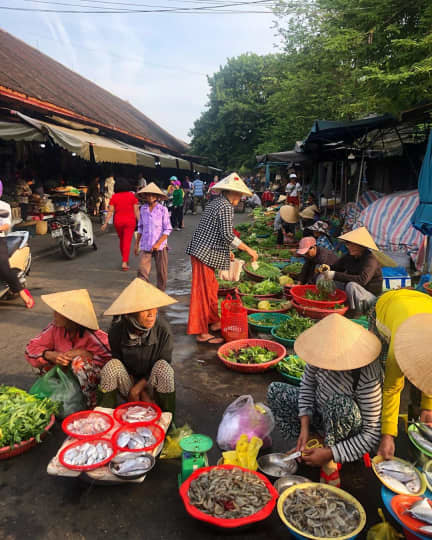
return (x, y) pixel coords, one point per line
(13, 243)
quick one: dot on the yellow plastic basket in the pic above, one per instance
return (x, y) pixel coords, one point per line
(378, 459)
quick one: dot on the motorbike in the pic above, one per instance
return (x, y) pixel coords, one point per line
(72, 228)
(19, 259)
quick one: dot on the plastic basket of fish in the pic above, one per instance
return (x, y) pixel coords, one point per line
(421, 437)
(137, 412)
(138, 438)
(415, 515)
(399, 476)
(130, 466)
(248, 496)
(295, 505)
(87, 455)
(87, 424)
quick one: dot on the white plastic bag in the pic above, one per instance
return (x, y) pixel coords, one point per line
(244, 416)
(233, 274)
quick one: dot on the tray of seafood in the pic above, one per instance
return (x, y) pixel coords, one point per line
(228, 496)
(318, 511)
(415, 513)
(399, 476)
(130, 465)
(138, 437)
(87, 424)
(87, 455)
(136, 412)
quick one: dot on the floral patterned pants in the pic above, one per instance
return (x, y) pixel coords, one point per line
(88, 375)
(338, 420)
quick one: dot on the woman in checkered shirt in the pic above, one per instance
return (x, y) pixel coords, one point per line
(210, 250)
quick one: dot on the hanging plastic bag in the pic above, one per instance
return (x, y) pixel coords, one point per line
(234, 321)
(233, 274)
(61, 386)
(383, 531)
(243, 416)
(171, 448)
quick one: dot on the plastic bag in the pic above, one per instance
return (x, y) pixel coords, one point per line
(234, 321)
(233, 274)
(171, 448)
(383, 531)
(61, 386)
(243, 416)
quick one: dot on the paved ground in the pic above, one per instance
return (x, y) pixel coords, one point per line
(35, 505)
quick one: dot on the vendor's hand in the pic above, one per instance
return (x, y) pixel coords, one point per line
(426, 416)
(253, 255)
(317, 457)
(63, 360)
(156, 246)
(232, 256)
(387, 447)
(134, 393)
(73, 353)
(137, 249)
(323, 268)
(302, 440)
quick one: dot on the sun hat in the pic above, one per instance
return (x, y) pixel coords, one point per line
(153, 189)
(362, 237)
(413, 350)
(309, 212)
(233, 182)
(293, 175)
(74, 305)
(336, 343)
(288, 213)
(305, 244)
(319, 226)
(282, 198)
(173, 178)
(139, 296)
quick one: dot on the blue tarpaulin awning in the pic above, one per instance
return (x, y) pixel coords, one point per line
(422, 217)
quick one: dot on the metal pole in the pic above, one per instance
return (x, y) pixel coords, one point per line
(360, 178)
(267, 173)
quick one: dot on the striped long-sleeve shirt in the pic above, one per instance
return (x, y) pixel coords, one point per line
(319, 385)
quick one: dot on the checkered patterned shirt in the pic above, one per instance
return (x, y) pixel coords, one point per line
(212, 239)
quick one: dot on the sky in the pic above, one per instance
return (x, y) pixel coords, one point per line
(157, 62)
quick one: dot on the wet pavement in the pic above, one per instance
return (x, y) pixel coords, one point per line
(38, 506)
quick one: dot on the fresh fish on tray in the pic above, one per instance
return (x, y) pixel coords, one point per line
(399, 476)
(139, 413)
(426, 530)
(141, 438)
(127, 464)
(91, 425)
(87, 454)
(421, 441)
(425, 430)
(421, 510)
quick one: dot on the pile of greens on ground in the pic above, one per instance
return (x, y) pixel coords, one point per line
(292, 268)
(264, 287)
(251, 355)
(226, 284)
(292, 365)
(22, 416)
(293, 327)
(264, 270)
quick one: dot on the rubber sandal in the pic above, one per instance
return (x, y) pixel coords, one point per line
(31, 301)
(125, 268)
(211, 341)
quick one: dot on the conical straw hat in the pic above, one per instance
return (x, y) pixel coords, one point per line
(289, 213)
(309, 212)
(75, 306)
(413, 350)
(153, 189)
(139, 296)
(233, 182)
(338, 344)
(362, 237)
(282, 198)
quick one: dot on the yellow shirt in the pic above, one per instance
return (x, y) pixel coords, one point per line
(392, 309)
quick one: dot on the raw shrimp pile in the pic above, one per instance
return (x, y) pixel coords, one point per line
(231, 494)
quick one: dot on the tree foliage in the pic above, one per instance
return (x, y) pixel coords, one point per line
(341, 59)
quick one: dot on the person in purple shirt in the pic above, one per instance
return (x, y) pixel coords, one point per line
(154, 227)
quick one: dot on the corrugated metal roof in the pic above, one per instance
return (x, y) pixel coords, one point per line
(28, 72)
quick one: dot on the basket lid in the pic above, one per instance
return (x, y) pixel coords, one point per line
(196, 443)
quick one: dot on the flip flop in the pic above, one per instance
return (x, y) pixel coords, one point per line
(211, 340)
(125, 268)
(31, 302)
(215, 329)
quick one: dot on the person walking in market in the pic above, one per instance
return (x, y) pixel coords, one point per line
(141, 344)
(6, 273)
(339, 397)
(154, 228)
(402, 319)
(177, 211)
(285, 223)
(198, 194)
(209, 250)
(124, 206)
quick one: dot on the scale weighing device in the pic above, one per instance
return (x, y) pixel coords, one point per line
(194, 456)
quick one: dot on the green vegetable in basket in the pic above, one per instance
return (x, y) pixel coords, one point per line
(265, 270)
(246, 287)
(267, 287)
(265, 305)
(251, 355)
(249, 302)
(264, 321)
(292, 365)
(23, 416)
(226, 284)
(286, 280)
(293, 268)
(293, 327)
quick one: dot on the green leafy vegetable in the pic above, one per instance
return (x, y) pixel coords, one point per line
(293, 268)
(251, 355)
(226, 284)
(264, 270)
(292, 365)
(293, 327)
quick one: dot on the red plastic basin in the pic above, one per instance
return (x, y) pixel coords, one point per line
(298, 292)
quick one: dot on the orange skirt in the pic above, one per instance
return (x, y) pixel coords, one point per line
(203, 309)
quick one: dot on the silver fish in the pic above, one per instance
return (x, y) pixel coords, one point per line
(421, 510)
(395, 485)
(421, 441)
(425, 430)
(123, 439)
(133, 465)
(87, 454)
(397, 470)
(427, 529)
(144, 432)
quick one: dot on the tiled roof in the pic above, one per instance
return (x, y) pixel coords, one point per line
(28, 73)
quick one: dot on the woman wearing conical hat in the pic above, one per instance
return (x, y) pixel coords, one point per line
(210, 250)
(141, 343)
(285, 223)
(154, 228)
(339, 395)
(403, 321)
(72, 340)
(358, 272)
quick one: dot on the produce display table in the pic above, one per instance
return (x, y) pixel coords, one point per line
(102, 474)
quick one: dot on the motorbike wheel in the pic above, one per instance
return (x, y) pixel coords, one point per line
(66, 247)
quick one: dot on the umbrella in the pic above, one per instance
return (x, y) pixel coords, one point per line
(422, 217)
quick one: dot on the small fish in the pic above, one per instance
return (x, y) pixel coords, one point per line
(397, 470)
(395, 485)
(123, 439)
(421, 510)
(144, 432)
(426, 530)
(425, 430)
(133, 465)
(421, 441)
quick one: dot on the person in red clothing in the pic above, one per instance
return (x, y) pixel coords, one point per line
(124, 206)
